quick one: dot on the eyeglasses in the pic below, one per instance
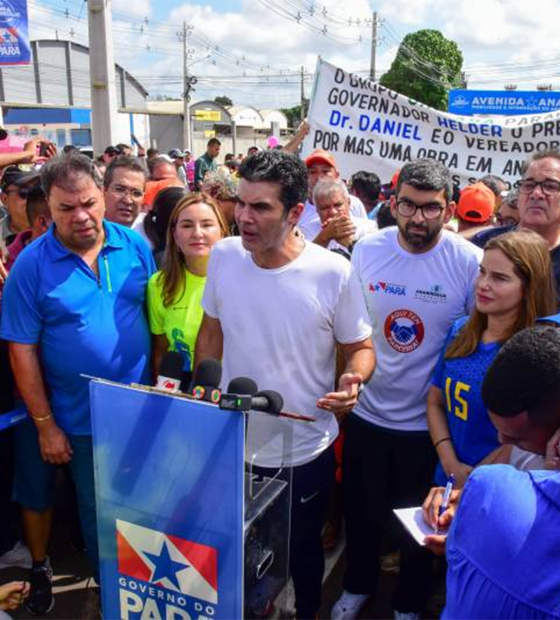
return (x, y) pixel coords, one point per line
(430, 211)
(505, 221)
(121, 191)
(22, 191)
(548, 187)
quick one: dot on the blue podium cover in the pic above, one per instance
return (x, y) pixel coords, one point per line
(170, 501)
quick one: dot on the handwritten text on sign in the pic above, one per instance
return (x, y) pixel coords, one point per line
(368, 127)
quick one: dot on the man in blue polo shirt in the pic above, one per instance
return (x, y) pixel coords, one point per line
(73, 305)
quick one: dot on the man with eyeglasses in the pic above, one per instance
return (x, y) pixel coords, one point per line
(124, 184)
(417, 279)
(538, 205)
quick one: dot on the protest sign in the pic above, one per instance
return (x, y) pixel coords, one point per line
(369, 127)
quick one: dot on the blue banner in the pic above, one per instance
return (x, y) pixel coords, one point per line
(11, 418)
(170, 504)
(507, 102)
(14, 33)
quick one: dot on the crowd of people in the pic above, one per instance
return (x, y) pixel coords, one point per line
(412, 319)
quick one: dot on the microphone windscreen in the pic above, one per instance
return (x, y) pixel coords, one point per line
(208, 373)
(276, 401)
(171, 365)
(186, 378)
(242, 385)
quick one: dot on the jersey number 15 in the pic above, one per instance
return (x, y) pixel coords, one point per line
(460, 407)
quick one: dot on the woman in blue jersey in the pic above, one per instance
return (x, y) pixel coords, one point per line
(515, 287)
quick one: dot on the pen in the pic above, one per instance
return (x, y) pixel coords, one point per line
(447, 495)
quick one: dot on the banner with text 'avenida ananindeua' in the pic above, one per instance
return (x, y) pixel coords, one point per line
(368, 127)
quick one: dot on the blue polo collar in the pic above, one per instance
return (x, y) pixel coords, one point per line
(58, 251)
(555, 318)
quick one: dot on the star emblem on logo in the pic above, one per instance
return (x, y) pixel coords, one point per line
(165, 567)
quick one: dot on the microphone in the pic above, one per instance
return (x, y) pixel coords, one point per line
(239, 393)
(267, 401)
(206, 381)
(242, 385)
(170, 372)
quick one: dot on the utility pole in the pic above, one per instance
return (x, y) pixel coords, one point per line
(186, 96)
(302, 96)
(102, 75)
(374, 25)
(188, 82)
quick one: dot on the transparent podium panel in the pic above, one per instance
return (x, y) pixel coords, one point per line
(190, 525)
(267, 518)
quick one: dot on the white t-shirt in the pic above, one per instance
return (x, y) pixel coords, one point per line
(280, 327)
(525, 461)
(138, 226)
(412, 301)
(309, 220)
(363, 227)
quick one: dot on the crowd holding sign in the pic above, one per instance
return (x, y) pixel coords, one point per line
(358, 120)
(410, 312)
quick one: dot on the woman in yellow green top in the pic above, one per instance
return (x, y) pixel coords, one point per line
(175, 292)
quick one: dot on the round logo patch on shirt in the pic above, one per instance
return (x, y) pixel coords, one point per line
(404, 330)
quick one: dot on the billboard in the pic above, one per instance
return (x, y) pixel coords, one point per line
(14, 33)
(508, 102)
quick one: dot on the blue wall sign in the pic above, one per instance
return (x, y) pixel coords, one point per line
(507, 102)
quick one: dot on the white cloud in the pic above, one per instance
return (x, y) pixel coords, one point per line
(502, 41)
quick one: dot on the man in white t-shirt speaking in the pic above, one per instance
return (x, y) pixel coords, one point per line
(275, 308)
(338, 230)
(322, 165)
(417, 279)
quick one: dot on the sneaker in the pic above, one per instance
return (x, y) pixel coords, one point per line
(41, 599)
(19, 556)
(348, 606)
(404, 615)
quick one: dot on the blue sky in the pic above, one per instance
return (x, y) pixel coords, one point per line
(252, 50)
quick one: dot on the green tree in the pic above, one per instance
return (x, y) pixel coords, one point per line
(223, 100)
(426, 67)
(294, 114)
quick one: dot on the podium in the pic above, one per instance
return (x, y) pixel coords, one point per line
(188, 527)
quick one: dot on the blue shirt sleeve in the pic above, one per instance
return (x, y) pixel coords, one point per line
(21, 317)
